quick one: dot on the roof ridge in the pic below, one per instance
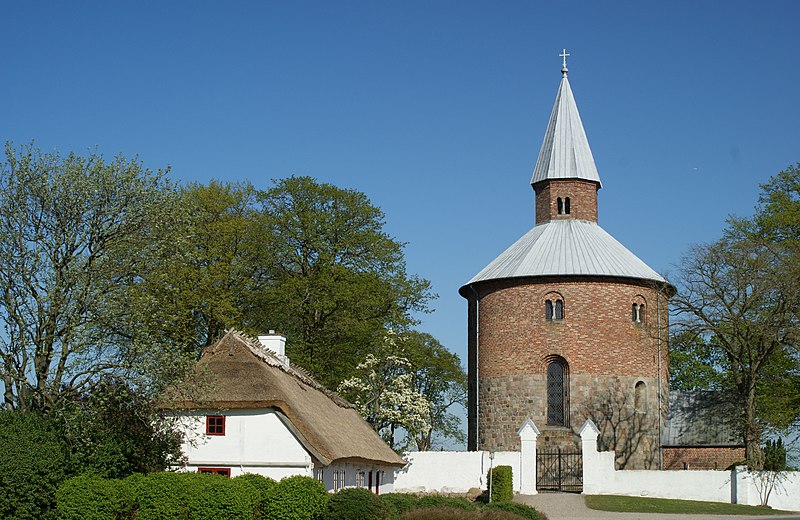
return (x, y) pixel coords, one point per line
(300, 373)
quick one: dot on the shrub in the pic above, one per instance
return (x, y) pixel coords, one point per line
(88, 497)
(502, 484)
(446, 513)
(216, 496)
(262, 485)
(399, 503)
(442, 501)
(296, 498)
(32, 466)
(358, 504)
(159, 496)
(518, 509)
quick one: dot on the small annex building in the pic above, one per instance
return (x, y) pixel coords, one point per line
(252, 412)
(701, 431)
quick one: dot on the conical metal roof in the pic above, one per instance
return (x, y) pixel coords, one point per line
(565, 152)
(565, 248)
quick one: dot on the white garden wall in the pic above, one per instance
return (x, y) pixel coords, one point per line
(738, 487)
(451, 471)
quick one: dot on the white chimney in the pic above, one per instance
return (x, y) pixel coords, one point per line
(276, 344)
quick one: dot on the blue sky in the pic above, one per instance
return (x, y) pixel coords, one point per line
(436, 110)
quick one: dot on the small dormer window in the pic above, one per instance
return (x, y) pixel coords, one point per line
(566, 206)
(560, 204)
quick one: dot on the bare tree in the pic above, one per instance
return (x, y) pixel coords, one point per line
(731, 297)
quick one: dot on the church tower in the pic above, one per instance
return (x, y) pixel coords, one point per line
(567, 324)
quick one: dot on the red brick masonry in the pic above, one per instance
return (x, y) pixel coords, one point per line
(713, 457)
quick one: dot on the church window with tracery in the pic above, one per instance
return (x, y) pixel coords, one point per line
(557, 392)
(637, 312)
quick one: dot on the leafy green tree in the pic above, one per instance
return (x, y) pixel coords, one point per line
(438, 376)
(113, 431)
(337, 279)
(738, 307)
(75, 233)
(209, 285)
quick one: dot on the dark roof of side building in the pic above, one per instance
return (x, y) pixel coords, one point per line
(238, 373)
(701, 418)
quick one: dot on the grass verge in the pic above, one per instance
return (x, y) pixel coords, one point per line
(623, 504)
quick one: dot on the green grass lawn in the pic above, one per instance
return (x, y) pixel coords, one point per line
(621, 504)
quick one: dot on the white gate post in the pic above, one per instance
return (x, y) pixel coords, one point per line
(528, 433)
(589, 433)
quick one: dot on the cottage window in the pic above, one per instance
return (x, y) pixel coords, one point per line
(216, 471)
(215, 425)
(338, 479)
(361, 478)
(321, 475)
(557, 392)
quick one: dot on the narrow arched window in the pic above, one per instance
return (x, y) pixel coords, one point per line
(548, 309)
(640, 397)
(635, 312)
(559, 313)
(557, 393)
(560, 206)
(566, 205)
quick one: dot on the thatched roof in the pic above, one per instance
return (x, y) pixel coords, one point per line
(241, 374)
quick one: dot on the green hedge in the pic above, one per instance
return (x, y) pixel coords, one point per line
(89, 497)
(502, 483)
(445, 502)
(33, 464)
(358, 504)
(263, 485)
(518, 509)
(400, 503)
(296, 498)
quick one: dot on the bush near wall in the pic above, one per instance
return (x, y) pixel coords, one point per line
(502, 483)
(400, 503)
(358, 504)
(296, 498)
(33, 462)
(88, 497)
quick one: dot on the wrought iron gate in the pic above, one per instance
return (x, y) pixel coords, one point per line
(558, 470)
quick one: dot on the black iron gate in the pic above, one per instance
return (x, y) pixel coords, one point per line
(558, 470)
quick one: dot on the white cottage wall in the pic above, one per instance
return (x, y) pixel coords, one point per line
(255, 441)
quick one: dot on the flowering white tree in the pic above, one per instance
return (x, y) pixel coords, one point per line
(383, 391)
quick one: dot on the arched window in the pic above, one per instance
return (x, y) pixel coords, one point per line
(560, 206)
(640, 397)
(554, 308)
(566, 205)
(637, 312)
(557, 393)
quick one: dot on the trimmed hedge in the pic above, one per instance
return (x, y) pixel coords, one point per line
(358, 504)
(263, 485)
(502, 483)
(442, 501)
(89, 497)
(400, 502)
(518, 509)
(296, 498)
(33, 462)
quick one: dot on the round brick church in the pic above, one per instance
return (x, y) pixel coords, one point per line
(567, 324)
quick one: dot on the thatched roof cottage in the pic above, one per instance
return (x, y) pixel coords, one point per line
(255, 413)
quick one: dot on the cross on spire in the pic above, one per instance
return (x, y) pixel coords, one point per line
(564, 63)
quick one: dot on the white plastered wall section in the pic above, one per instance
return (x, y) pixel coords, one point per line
(255, 441)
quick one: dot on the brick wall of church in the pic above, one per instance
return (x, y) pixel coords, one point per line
(606, 352)
(582, 195)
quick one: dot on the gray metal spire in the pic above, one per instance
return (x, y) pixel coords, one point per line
(565, 152)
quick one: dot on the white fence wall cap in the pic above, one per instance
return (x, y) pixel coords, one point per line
(528, 431)
(589, 430)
